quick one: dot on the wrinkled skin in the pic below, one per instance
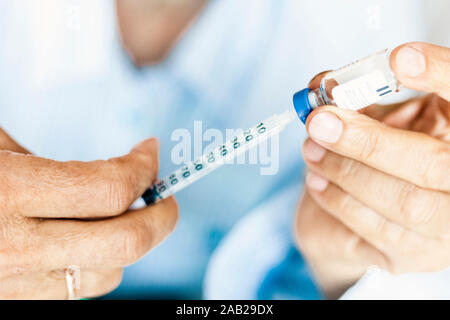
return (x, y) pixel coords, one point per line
(58, 214)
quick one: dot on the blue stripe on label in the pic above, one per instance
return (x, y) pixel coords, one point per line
(384, 88)
(382, 94)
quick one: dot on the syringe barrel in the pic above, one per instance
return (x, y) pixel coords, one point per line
(210, 161)
(354, 87)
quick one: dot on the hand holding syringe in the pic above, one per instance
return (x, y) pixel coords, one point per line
(354, 87)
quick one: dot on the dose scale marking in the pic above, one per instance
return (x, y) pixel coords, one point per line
(361, 83)
(210, 161)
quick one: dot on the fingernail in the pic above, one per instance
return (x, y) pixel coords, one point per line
(325, 127)
(313, 152)
(410, 62)
(316, 182)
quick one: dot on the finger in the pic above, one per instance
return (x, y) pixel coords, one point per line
(109, 243)
(423, 66)
(378, 112)
(52, 285)
(434, 119)
(382, 233)
(412, 156)
(315, 229)
(8, 143)
(46, 188)
(315, 82)
(422, 210)
(404, 116)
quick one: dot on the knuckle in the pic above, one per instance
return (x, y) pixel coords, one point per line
(117, 189)
(370, 143)
(348, 169)
(134, 241)
(344, 204)
(436, 169)
(381, 227)
(414, 208)
(391, 233)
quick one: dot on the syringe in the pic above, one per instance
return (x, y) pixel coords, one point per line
(354, 86)
(210, 161)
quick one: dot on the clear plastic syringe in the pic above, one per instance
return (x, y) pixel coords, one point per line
(353, 87)
(210, 161)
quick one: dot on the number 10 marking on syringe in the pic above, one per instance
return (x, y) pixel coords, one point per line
(210, 161)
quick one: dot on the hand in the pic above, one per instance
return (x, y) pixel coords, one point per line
(379, 194)
(58, 214)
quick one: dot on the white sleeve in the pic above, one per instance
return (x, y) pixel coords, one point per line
(379, 284)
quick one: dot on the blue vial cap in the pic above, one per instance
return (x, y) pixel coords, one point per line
(302, 105)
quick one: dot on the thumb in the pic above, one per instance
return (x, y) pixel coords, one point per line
(144, 161)
(423, 66)
(50, 189)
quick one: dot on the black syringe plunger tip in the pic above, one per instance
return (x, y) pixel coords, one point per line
(150, 196)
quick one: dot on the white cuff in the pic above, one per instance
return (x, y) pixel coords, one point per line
(379, 284)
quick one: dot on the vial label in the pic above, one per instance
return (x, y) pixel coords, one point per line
(361, 92)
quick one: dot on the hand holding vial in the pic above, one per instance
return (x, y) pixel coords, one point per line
(378, 190)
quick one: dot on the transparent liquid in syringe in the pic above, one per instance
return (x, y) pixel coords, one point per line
(210, 161)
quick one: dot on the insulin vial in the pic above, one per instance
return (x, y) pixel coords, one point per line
(353, 87)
